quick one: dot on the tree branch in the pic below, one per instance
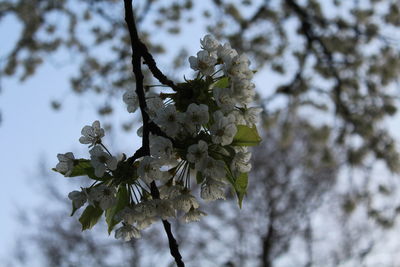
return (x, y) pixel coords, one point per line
(144, 52)
(150, 62)
(139, 51)
(311, 37)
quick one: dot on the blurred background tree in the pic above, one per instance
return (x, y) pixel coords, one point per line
(324, 185)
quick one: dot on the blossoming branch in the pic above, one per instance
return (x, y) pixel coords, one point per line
(205, 127)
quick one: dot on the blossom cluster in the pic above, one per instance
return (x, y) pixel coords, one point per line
(207, 125)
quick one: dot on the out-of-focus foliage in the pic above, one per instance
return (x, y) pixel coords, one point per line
(295, 214)
(336, 58)
(333, 67)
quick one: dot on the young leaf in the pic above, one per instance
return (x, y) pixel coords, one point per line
(229, 176)
(90, 217)
(74, 209)
(221, 83)
(83, 167)
(122, 202)
(246, 136)
(241, 184)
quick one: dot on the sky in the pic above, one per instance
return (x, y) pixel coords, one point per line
(31, 131)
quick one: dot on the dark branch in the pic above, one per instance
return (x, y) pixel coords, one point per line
(143, 52)
(139, 51)
(268, 239)
(149, 61)
(306, 27)
(173, 245)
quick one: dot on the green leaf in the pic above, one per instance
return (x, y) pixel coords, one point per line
(246, 136)
(231, 151)
(83, 167)
(229, 176)
(199, 178)
(241, 184)
(228, 158)
(90, 217)
(74, 209)
(221, 83)
(122, 202)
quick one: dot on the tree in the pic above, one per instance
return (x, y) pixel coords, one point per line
(204, 126)
(352, 51)
(345, 64)
(331, 44)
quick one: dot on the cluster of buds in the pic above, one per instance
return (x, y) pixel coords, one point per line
(207, 126)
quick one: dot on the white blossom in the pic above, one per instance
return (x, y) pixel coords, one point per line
(164, 208)
(146, 222)
(195, 116)
(223, 130)
(243, 90)
(214, 168)
(92, 134)
(227, 54)
(131, 100)
(146, 208)
(209, 43)
(241, 149)
(89, 197)
(197, 154)
(161, 148)
(184, 202)
(239, 117)
(239, 67)
(204, 62)
(169, 119)
(130, 215)
(193, 215)
(170, 191)
(150, 209)
(139, 131)
(78, 198)
(212, 190)
(154, 104)
(101, 160)
(252, 115)
(127, 232)
(149, 169)
(214, 136)
(223, 98)
(241, 162)
(104, 195)
(66, 164)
